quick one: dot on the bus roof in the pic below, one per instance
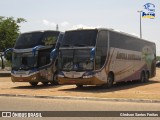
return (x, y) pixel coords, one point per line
(113, 30)
(40, 31)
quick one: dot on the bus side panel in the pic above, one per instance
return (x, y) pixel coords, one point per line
(127, 65)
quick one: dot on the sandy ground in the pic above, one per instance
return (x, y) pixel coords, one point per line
(150, 90)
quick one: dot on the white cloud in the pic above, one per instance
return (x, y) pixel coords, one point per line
(63, 24)
(53, 24)
(48, 23)
(45, 22)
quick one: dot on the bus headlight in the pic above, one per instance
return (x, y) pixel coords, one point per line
(34, 78)
(60, 74)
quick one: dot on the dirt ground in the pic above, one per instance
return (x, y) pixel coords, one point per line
(150, 90)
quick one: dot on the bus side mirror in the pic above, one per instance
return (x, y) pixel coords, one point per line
(58, 45)
(53, 54)
(8, 54)
(2, 61)
(35, 49)
(92, 54)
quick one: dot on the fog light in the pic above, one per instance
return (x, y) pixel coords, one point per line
(33, 78)
(62, 76)
(88, 76)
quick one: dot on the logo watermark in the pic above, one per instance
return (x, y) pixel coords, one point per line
(148, 11)
(6, 114)
(21, 114)
(37, 114)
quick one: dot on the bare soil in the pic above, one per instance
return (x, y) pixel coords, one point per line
(150, 90)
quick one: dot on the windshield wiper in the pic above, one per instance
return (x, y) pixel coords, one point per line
(80, 45)
(66, 45)
(15, 68)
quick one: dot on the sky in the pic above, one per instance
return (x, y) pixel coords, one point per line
(120, 15)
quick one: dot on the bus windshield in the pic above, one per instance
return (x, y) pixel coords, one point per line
(75, 60)
(79, 38)
(32, 39)
(23, 61)
(28, 40)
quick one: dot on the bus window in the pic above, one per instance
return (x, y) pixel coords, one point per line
(43, 58)
(101, 49)
(49, 39)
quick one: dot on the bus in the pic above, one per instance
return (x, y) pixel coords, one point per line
(31, 57)
(103, 57)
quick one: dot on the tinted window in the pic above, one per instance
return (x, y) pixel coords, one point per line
(50, 38)
(77, 60)
(80, 38)
(126, 42)
(43, 57)
(29, 40)
(101, 49)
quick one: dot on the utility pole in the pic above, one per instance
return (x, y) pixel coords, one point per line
(140, 12)
(57, 28)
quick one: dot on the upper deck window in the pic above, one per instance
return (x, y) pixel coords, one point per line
(29, 40)
(79, 38)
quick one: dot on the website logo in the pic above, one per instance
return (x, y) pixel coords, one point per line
(148, 11)
(6, 114)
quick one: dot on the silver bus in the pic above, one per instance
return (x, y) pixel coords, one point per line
(31, 57)
(103, 57)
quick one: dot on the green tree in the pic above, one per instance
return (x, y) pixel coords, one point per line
(9, 31)
(158, 58)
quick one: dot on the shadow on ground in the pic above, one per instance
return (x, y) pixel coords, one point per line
(92, 89)
(115, 87)
(39, 86)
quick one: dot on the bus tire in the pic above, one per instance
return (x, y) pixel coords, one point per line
(55, 79)
(45, 83)
(33, 83)
(147, 77)
(79, 86)
(110, 81)
(142, 78)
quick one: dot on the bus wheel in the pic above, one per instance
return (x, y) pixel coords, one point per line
(110, 81)
(142, 79)
(79, 86)
(45, 83)
(147, 77)
(55, 79)
(33, 83)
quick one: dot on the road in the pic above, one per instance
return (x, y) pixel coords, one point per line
(42, 104)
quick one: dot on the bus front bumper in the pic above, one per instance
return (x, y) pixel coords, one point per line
(80, 81)
(29, 78)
